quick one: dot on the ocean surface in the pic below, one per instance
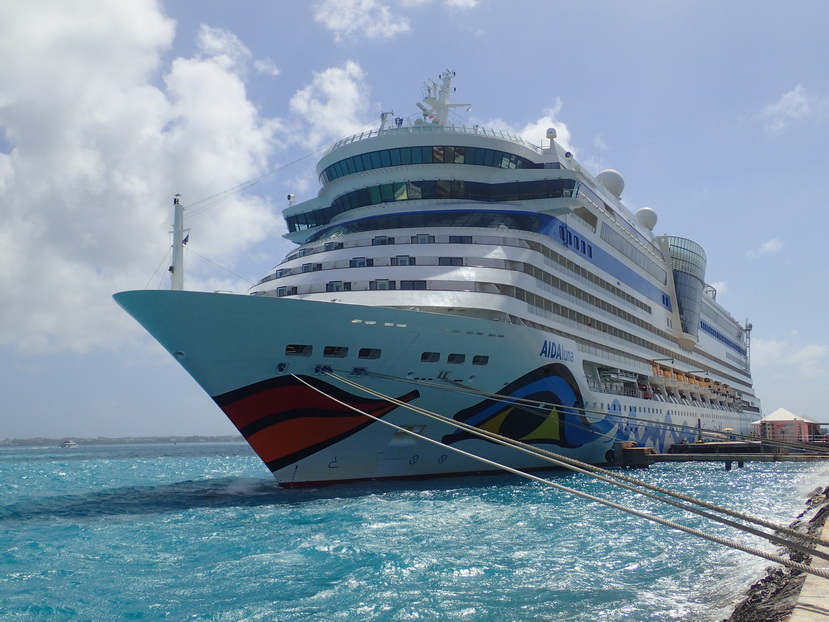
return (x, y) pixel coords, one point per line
(202, 532)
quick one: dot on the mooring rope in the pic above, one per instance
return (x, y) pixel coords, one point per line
(662, 521)
(663, 425)
(615, 478)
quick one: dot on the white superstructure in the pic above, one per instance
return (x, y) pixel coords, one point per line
(447, 263)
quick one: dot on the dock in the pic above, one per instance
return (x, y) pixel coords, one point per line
(727, 452)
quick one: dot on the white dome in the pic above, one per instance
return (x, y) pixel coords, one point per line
(647, 218)
(613, 181)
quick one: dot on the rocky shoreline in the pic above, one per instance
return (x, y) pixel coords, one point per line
(773, 598)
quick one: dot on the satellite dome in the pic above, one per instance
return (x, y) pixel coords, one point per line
(613, 181)
(647, 218)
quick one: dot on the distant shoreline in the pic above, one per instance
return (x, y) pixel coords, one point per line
(125, 440)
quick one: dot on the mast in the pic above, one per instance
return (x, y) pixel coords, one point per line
(177, 267)
(436, 104)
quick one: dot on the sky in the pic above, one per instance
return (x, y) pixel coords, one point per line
(716, 113)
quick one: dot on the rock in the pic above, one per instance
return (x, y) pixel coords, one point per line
(773, 597)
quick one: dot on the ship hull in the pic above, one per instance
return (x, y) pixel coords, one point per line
(321, 391)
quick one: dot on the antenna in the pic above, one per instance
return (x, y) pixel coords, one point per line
(748, 328)
(436, 102)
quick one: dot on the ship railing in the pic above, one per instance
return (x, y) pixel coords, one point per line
(431, 128)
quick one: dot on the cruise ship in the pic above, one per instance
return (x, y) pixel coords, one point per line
(455, 292)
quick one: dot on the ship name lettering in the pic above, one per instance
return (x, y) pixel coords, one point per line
(553, 350)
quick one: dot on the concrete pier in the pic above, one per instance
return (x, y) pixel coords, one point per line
(813, 604)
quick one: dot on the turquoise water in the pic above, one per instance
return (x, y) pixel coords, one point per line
(201, 531)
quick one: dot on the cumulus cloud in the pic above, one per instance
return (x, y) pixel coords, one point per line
(333, 105)
(807, 361)
(792, 106)
(535, 132)
(766, 248)
(365, 18)
(99, 134)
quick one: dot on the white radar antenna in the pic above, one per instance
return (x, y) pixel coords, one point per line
(436, 104)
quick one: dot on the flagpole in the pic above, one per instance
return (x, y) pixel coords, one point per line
(177, 267)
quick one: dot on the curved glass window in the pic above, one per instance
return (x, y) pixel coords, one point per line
(433, 189)
(490, 220)
(424, 155)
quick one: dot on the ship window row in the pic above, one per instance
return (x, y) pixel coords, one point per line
(436, 189)
(444, 218)
(726, 325)
(516, 221)
(340, 352)
(706, 327)
(547, 278)
(511, 291)
(551, 257)
(519, 266)
(424, 155)
(453, 358)
(572, 240)
(617, 241)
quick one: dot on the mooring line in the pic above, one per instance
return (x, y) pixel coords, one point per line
(662, 521)
(612, 477)
(464, 389)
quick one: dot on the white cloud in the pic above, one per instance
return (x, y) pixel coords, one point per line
(266, 66)
(97, 146)
(535, 132)
(222, 47)
(804, 361)
(366, 18)
(333, 105)
(766, 248)
(792, 106)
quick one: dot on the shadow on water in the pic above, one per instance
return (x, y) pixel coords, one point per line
(231, 492)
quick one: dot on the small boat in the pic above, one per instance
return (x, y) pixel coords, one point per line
(68, 444)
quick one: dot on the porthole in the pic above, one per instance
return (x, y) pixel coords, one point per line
(369, 353)
(295, 349)
(337, 352)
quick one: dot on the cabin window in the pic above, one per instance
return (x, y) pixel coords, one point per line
(338, 286)
(295, 349)
(480, 359)
(430, 357)
(337, 352)
(450, 261)
(382, 284)
(369, 353)
(456, 359)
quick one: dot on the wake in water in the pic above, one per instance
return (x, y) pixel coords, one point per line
(165, 498)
